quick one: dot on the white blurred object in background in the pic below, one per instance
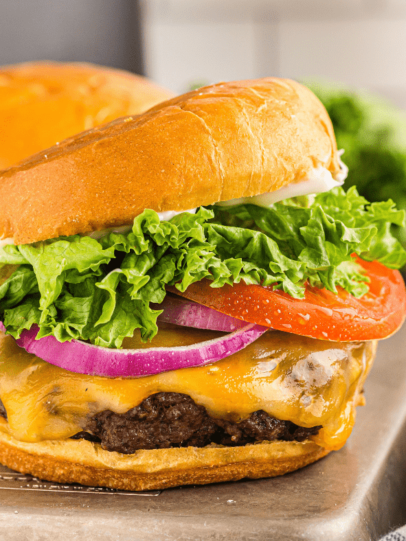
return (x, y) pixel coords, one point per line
(358, 42)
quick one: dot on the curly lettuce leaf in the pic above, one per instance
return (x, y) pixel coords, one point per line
(101, 290)
(324, 233)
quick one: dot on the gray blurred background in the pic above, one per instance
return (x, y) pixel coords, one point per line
(183, 42)
(101, 31)
(359, 42)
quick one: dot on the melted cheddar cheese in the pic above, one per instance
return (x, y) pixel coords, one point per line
(306, 381)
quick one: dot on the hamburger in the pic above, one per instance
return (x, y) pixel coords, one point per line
(189, 296)
(43, 103)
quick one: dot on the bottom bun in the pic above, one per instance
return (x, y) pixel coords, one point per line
(80, 461)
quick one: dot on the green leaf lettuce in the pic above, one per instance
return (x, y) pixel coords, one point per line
(101, 290)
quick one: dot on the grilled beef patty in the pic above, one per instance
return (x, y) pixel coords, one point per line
(166, 420)
(174, 420)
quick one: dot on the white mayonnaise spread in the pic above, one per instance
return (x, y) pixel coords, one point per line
(320, 180)
(4, 242)
(169, 214)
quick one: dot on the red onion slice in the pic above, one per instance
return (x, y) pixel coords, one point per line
(83, 358)
(191, 314)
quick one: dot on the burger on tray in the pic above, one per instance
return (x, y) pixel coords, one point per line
(190, 296)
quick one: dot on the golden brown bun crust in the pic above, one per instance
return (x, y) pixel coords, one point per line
(79, 461)
(42, 103)
(221, 142)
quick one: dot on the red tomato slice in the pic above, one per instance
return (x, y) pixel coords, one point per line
(321, 314)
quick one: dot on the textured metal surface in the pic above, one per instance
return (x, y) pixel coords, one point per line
(358, 493)
(11, 480)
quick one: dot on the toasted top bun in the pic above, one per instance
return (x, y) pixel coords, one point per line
(221, 142)
(42, 103)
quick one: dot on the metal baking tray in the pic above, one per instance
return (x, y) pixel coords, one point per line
(358, 493)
